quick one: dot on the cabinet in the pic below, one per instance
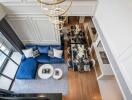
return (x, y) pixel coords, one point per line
(103, 69)
(106, 79)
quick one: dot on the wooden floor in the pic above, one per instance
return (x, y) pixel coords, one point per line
(82, 86)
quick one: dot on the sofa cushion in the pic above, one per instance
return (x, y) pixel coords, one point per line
(27, 69)
(56, 60)
(31, 46)
(59, 47)
(43, 49)
(43, 58)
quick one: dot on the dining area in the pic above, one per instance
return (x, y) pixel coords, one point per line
(80, 58)
(77, 49)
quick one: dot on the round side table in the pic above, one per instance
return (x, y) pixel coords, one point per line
(57, 73)
(44, 75)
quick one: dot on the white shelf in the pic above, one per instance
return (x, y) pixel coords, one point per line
(105, 68)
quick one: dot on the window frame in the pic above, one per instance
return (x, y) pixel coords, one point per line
(5, 61)
(8, 57)
(3, 66)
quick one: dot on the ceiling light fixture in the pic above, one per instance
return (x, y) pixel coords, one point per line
(56, 10)
(55, 7)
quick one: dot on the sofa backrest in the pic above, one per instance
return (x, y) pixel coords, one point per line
(44, 48)
(59, 47)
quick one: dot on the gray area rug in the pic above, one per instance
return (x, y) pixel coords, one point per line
(44, 85)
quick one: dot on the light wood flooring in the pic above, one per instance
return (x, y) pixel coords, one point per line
(82, 86)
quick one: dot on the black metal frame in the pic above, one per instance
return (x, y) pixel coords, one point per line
(8, 58)
(34, 96)
(5, 62)
(10, 95)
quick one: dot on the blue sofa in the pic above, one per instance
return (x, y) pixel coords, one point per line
(28, 67)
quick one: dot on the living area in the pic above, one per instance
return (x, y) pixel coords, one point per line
(42, 59)
(46, 69)
(49, 65)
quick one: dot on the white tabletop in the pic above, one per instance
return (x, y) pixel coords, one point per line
(45, 75)
(59, 75)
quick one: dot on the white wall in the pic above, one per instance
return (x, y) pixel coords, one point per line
(32, 26)
(115, 20)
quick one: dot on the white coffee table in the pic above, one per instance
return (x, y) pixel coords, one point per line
(45, 75)
(59, 75)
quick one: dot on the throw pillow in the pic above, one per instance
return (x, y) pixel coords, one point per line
(51, 53)
(28, 53)
(57, 53)
(35, 53)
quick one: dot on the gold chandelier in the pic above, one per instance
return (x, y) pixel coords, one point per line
(58, 21)
(55, 7)
(56, 10)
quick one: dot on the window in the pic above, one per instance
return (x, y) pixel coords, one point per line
(3, 57)
(8, 66)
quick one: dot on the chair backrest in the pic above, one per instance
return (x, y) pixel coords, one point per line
(68, 50)
(69, 63)
(89, 49)
(64, 30)
(93, 62)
